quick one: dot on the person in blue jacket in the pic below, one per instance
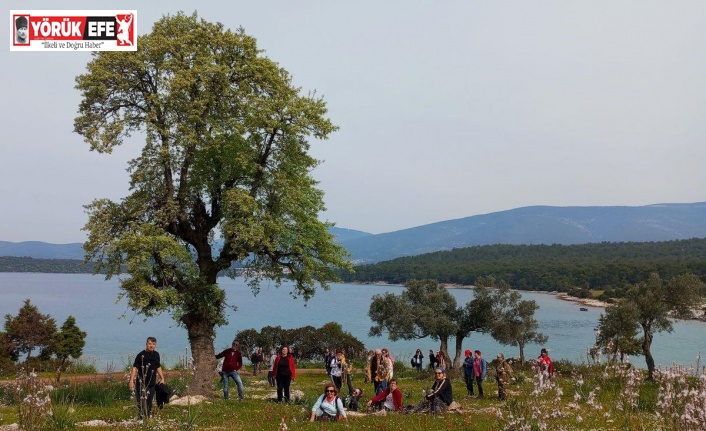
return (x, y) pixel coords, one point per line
(468, 375)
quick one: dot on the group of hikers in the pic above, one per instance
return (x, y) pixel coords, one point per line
(147, 379)
(387, 393)
(281, 372)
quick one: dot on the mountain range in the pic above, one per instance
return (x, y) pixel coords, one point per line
(527, 225)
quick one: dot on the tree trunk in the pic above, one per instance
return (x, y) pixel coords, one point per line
(444, 349)
(459, 347)
(646, 346)
(201, 335)
(59, 368)
(522, 353)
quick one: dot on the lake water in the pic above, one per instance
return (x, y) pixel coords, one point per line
(114, 332)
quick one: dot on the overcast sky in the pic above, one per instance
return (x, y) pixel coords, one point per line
(446, 109)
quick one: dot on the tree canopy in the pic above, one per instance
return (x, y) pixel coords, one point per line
(652, 304)
(617, 332)
(67, 343)
(225, 158)
(427, 309)
(29, 330)
(307, 343)
(513, 319)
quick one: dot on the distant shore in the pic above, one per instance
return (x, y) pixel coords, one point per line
(699, 313)
(589, 302)
(563, 296)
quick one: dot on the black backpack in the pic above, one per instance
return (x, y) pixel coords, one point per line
(335, 403)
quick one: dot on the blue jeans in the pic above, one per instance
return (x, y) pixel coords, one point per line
(236, 378)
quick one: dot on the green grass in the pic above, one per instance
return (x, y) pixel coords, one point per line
(100, 394)
(566, 406)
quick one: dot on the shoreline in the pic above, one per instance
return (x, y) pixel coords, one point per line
(589, 302)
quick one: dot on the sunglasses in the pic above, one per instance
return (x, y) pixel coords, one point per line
(333, 391)
(438, 373)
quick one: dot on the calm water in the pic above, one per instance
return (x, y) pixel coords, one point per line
(114, 332)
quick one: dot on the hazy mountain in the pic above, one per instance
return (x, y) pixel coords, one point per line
(343, 235)
(538, 225)
(528, 225)
(42, 250)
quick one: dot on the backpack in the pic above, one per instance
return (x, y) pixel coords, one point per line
(335, 403)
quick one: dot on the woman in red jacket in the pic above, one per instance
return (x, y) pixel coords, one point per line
(284, 371)
(390, 398)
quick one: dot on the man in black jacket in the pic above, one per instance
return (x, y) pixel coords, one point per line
(146, 373)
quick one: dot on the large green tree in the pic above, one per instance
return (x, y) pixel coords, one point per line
(657, 301)
(29, 330)
(513, 319)
(224, 175)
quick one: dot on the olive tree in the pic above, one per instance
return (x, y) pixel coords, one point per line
(514, 323)
(424, 309)
(656, 302)
(475, 316)
(224, 175)
(617, 331)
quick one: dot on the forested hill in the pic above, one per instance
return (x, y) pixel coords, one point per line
(546, 267)
(538, 225)
(30, 264)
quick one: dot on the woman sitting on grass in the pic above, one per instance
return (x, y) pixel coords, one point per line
(440, 396)
(353, 403)
(389, 399)
(328, 407)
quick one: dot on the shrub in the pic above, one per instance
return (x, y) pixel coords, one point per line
(33, 402)
(180, 384)
(62, 415)
(83, 365)
(7, 367)
(40, 365)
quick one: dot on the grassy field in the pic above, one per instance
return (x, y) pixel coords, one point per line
(584, 397)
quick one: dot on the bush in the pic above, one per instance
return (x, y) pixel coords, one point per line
(179, 384)
(82, 366)
(308, 343)
(564, 367)
(7, 367)
(40, 365)
(62, 416)
(34, 402)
